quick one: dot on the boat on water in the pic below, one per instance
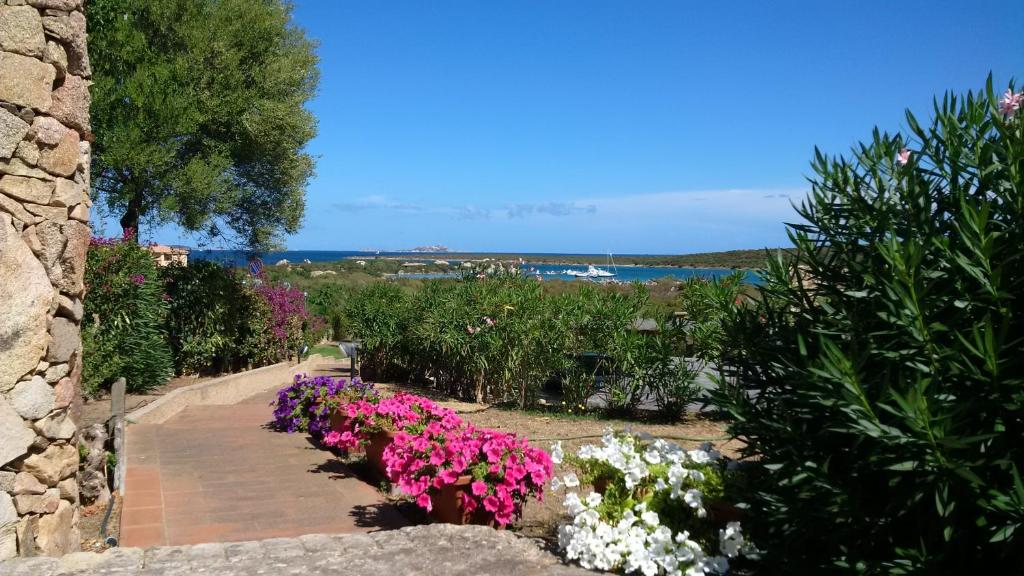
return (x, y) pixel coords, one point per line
(591, 272)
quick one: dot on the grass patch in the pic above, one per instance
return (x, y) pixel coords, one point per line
(327, 350)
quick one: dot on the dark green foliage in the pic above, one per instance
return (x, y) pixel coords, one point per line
(123, 330)
(198, 110)
(216, 321)
(880, 371)
(706, 303)
(501, 339)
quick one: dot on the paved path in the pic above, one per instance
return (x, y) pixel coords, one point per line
(437, 549)
(217, 474)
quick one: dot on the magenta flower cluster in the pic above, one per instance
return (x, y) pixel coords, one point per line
(399, 413)
(433, 448)
(502, 470)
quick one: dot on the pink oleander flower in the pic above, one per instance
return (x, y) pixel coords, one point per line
(1010, 102)
(903, 157)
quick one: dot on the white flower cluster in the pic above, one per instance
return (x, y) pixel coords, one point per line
(636, 541)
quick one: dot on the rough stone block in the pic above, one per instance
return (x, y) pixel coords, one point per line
(73, 259)
(56, 426)
(32, 399)
(64, 393)
(18, 167)
(13, 209)
(7, 481)
(70, 31)
(27, 189)
(79, 213)
(56, 534)
(27, 81)
(67, 193)
(47, 130)
(70, 104)
(12, 130)
(51, 213)
(27, 152)
(56, 463)
(17, 438)
(8, 527)
(45, 503)
(66, 339)
(61, 160)
(68, 489)
(25, 483)
(56, 371)
(23, 307)
(21, 30)
(65, 5)
(55, 55)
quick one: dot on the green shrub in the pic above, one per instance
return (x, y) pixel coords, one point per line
(880, 370)
(501, 337)
(217, 322)
(123, 330)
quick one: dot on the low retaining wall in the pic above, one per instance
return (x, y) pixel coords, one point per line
(225, 390)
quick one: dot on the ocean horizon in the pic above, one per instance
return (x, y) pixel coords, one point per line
(623, 273)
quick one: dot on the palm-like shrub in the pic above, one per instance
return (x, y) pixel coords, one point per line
(880, 370)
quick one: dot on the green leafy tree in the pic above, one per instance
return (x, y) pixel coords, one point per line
(879, 379)
(198, 109)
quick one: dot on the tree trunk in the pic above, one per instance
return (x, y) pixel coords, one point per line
(130, 218)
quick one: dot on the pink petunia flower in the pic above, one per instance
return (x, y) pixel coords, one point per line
(479, 488)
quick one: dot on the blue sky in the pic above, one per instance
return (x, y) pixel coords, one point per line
(598, 126)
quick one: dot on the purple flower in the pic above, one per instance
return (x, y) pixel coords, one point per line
(138, 279)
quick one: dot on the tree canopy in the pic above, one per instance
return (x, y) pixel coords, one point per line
(198, 110)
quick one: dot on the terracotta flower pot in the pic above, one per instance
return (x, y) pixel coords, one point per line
(447, 506)
(375, 451)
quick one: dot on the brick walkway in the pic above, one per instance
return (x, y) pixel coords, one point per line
(217, 474)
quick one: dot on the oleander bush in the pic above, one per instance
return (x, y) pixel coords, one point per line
(497, 337)
(879, 376)
(125, 312)
(147, 323)
(216, 322)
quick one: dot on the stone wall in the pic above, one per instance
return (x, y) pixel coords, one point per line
(44, 234)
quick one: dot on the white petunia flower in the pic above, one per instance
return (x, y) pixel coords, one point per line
(571, 480)
(693, 498)
(556, 484)
(593, 499)
(557, 453)
(650, 518)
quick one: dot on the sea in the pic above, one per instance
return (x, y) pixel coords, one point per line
(545, 271)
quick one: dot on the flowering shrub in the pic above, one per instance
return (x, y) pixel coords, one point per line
(504, 470)
(123, 328)
(877, 374)
(291, 324)
(306, 405)
(399, 413)
(652, 516)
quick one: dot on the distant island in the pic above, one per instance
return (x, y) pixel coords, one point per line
(428, 249)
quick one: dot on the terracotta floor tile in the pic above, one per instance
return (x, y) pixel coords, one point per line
(143, 536)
